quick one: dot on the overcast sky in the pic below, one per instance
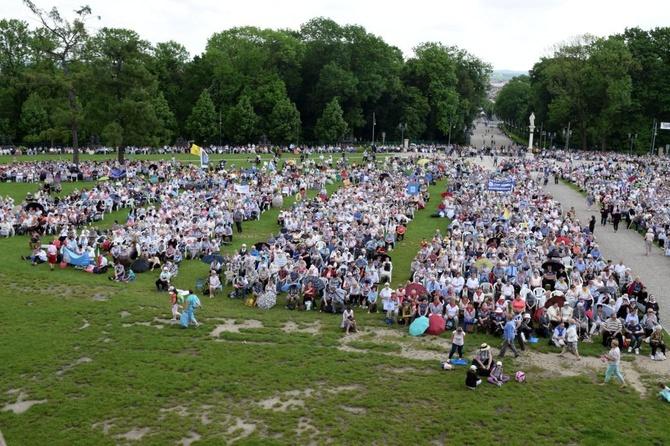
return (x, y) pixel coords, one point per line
(508, 34)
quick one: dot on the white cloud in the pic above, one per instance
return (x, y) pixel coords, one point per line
(509, 34)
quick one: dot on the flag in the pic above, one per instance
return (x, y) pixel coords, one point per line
(506, 214)
(195, 150)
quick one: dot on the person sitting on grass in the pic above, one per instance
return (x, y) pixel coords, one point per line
(571, 339)
(348, 320)
(163, 281)
(665, 391)
(496, 377)
(483, 360)
(472, 379)
(119, 272)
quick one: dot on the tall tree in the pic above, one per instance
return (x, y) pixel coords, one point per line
(202, 125)
(64, 42)
(241, 122)
(331, 126)
(284, 122)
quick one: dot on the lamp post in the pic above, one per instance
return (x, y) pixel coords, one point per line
(632, 139)
(402, 127)
(566, 135)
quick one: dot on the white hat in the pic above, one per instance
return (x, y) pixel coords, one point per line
(498, 363)
(526, 316)
(473, 367)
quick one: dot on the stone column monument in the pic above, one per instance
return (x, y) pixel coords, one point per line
(532, 129)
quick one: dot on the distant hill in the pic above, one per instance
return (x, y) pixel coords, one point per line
(505, 75)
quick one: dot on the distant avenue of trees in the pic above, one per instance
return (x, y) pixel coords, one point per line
(610, 90)
(62, 85)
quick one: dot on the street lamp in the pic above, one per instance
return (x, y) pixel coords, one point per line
(450, 127)
(374, 123)
(402, 127)
(566, 136)
(632, 139)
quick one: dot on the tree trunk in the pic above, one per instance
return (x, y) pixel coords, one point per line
(121, 155)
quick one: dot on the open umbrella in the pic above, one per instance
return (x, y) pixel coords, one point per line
(447, 194)
(141, 266)
(316, 281)
(289, 286)
(495, 241)
(607, 310)
(483, 262)
(552, 300)
(261, 245)
(414, 288)
(34, 206)
(422, 161)
(419, 326)
(266, 300)
(563, 240)
(607, 289)
(210, 258)
(555, 264)
(436, 325)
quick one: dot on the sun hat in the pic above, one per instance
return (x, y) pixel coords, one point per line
(499, 310)
(485, 346)
(473, 367)
(498, 363)
(526, 316)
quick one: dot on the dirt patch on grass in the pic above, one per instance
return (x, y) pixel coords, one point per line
(144, 324)
(106, 425)
(277, 405)
(134, 434)
(77, 362)
(192, 436)
(246, 428)
(86, 325)
(2, 440)
(313, 328)
(355, 410)
(230, 326)
(22, 404)
(125, 314)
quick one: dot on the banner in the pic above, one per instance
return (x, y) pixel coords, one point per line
(204, 158)
(413, 188)
(665, 125)
(501, 186)
(117, 174)
(240, 189)
(76, 259)
(195, 150)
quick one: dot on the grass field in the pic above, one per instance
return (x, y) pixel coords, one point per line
(99, 363)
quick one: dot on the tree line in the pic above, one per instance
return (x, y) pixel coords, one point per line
(61, 84)
(611, 93)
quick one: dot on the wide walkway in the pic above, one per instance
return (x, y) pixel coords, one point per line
(626, 245)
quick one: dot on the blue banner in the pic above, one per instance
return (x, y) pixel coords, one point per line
(76, 259)
(501, 186)
(413, 188)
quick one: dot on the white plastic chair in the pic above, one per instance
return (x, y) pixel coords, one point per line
(540, 296)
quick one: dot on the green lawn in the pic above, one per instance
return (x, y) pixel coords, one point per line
(106, 367)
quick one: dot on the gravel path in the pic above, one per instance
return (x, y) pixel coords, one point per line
(624, 244)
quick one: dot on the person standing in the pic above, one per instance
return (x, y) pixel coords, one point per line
(457, 342)
(192, 302)
(616, 217)
(648, 241)
(238, 217)
(603, 215)
(174, 299)
(509, 334)
(592, 224)
(613, 358)
(52, 254)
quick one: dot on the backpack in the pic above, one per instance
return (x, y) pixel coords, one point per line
(520, 376)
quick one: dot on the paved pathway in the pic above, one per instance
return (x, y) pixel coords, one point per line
(624, 244)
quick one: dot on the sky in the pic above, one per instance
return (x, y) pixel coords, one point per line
(508, 34)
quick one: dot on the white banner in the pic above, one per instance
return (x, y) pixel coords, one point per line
(242, 189)
(665, 125)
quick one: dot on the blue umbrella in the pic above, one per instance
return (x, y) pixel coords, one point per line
(288, 286)
(419, 326)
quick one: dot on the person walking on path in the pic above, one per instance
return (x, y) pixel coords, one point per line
(613, 358)
(508, 338)
(592, 224)
(648, 241)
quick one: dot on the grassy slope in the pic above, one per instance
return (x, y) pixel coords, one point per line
(143, 376)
